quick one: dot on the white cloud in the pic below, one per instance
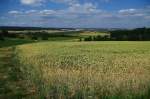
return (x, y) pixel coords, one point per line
(47, 12)
(31, 11)
(86, 8)
(69, 2)
(32, 2)
(84, 15)
(14, 12)
(39, 2)
(135, 12)
(124, 11)
(75, 9)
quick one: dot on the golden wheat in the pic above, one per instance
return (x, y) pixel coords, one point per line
(95, 70)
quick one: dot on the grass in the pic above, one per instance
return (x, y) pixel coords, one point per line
(9, 76)
(13, 42)
(12, 84)
(87, 70)
(63, 39)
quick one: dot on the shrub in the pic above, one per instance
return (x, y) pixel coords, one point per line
(44, 38)
(1, 36)
(98, 38)
(5, 33)
(34, 38)
(81, 39)
(90, 38)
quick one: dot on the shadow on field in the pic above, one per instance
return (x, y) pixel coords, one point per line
(13, 42)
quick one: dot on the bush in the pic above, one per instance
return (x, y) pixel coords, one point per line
(90, 38)
(34, 38)
(5, 33)
(1, 36)
(98, 38)
(44, 38)
(81, 39)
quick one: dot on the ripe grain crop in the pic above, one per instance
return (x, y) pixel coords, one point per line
(88, 70)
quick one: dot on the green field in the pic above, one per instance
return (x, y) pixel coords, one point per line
(88, 33)
(12, 83)
(13, 42)
(87, 70)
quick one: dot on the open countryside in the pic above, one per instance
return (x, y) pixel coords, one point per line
(74, 49)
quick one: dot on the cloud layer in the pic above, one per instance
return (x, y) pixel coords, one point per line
(77, 14)
(40, 2)
(31, 2)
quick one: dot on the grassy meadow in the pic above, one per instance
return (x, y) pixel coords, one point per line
(13, 42)
(87, 70)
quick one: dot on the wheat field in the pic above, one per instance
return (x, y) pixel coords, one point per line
(87, 70)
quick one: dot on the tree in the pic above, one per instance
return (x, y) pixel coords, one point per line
(5, 33)
(1, 36)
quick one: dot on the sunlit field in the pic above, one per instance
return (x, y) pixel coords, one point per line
(87, 70)
(89, 33)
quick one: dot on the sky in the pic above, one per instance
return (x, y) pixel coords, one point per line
(75, 13)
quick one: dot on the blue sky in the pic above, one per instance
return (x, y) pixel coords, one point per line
(76, 13)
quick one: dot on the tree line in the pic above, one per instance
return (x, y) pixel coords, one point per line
(139, 34)
(42, 35)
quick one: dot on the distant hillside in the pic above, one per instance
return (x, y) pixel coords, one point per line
(17, 28)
